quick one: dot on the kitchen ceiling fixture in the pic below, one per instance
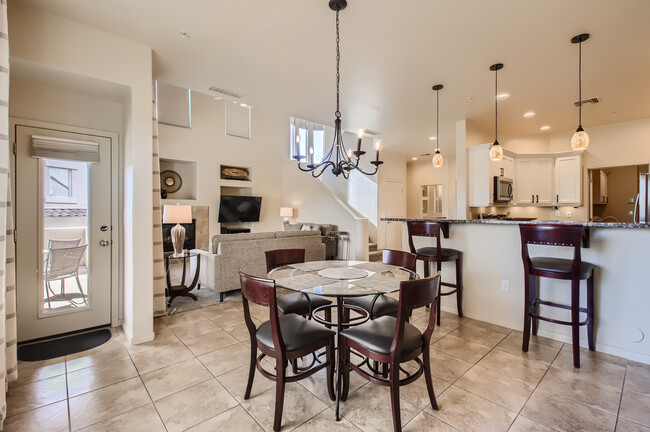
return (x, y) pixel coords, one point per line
(432, 138)
(337, 158)
(545, 128)
(504, 95)
(529, 114)
(580, 139)
(496, 151)
(437, 160)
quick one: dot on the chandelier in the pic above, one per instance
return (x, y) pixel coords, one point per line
(337, 158)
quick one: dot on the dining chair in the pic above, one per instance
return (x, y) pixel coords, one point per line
(295, 302)
(381, 305)
(61, 264)
(63, 243)
(394, 341)
(284, 338)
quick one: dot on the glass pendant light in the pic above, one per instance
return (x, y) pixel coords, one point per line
(437, 160)
(496, 151)
(580, 139)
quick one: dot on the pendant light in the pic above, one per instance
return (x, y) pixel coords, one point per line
(496, 151)
(580, 139)
(437, 160)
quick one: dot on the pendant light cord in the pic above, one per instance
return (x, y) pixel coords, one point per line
(496, 107)
(338, 60)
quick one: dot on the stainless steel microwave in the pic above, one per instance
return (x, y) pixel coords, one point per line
(503, 189)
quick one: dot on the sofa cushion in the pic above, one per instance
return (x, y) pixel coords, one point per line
(293, 227)
(223, 238)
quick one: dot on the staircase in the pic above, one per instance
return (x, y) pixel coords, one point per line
(373, 253)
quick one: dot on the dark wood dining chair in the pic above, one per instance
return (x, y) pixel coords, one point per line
(573, 269)
(284, 338)
(437, 255)
(394, 341)
(296, 302)
(384, 305)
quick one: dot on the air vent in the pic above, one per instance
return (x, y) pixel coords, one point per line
(371, 132)
(593, 100)
(226, 92)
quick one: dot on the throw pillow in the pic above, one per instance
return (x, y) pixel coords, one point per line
(306, 227)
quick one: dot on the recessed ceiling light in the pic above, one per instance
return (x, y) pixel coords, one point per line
(545, 128)
(414, 158)
(183, 34)
(529, 114)
(432, 138)
(503, 95)
(243, 105)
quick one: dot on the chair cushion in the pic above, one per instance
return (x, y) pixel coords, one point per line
(433, 252)
(383, 306)
(297, 332)
(296, 303)
(561, 265)
(377, 335)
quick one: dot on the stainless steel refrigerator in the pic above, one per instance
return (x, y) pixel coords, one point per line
(642, 208)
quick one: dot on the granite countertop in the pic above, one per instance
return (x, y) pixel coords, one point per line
(513, 221)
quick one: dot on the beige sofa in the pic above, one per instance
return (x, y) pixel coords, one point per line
(231, 253)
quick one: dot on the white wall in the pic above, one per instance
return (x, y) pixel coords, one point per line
(393, 169)
(207, 144)
(420, 173)
(76, 49)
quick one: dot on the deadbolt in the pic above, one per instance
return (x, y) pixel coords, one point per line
(103, 228)
(103, 243)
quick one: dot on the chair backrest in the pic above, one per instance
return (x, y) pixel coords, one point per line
(399, 258)
(261, 292)
(414, 294)
(281, 257)
(63, 262)
(551, 235)
(63, 243)
(423, 229)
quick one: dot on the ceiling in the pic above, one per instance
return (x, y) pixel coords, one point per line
(280, 56)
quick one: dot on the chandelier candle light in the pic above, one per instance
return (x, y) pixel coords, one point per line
(337, 158)
(496, 151)
(580, 139)
(437, 160)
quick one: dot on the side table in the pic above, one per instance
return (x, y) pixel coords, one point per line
(182, 290)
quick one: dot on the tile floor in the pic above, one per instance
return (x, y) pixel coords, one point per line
(192, 377)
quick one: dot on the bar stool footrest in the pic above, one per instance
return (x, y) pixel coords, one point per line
(581, 323)
(558, 305)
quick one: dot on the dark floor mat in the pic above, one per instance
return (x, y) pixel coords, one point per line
(64, 346)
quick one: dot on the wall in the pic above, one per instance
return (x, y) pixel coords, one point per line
(73, 50)
(393, 169)
(207, 144)
(422, 172)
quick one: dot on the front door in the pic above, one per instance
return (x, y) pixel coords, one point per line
(63, 202)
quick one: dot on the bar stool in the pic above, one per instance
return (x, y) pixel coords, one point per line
(438, 255)
(574, 270)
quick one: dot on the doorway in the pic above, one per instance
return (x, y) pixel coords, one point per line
(394, 208)
(65, 255)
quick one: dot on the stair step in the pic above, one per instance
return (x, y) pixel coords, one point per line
(372, 246)
(374, 256)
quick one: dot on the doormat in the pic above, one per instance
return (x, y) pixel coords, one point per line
(65, 346)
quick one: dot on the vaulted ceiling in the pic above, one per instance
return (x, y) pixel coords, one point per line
(280, 55)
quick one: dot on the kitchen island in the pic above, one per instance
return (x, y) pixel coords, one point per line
(492, 254)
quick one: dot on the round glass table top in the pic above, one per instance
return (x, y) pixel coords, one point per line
(341, 278)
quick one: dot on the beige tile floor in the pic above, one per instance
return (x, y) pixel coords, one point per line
(193, 376)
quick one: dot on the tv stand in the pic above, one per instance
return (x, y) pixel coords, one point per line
(226, 230)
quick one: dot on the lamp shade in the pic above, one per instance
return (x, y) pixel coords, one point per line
(179, 214)
(286, 211)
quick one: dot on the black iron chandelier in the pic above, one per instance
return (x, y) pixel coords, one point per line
(337, 158)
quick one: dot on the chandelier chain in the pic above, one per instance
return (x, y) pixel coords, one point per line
(338, 60)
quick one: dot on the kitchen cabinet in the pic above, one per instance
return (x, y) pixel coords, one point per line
(568, 180)
(600, 193)
(534, 181)
(482, 172)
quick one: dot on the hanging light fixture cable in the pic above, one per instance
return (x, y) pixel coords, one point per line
(437, 160)
(580, 139)
(340, 161)
(496, 151)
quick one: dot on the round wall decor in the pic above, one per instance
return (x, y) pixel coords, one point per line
(234, 173)
(170, 181)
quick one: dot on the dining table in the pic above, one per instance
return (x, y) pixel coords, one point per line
(341, 279)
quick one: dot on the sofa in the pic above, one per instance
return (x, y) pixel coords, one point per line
(327, 232)
(231, 253)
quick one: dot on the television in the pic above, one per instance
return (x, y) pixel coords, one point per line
(239, 208)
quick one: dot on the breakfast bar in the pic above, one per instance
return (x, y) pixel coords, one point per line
(493, 278)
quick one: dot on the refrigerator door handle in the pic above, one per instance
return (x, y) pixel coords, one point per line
(636, 207)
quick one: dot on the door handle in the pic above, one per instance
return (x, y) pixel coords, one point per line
(557, 198)
(537, 198)
(103, 243)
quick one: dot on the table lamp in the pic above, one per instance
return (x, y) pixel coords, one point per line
(286, 212)
(177, 214)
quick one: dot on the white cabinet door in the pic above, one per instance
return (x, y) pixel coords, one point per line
(508, 167)
(568, 180)
(544, 181)
(525, 181)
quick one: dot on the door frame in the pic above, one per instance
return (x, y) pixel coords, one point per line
(117, 257)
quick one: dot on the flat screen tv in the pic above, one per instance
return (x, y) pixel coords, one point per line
(239, 208)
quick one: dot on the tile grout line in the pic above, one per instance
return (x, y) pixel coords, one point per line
(620, 401)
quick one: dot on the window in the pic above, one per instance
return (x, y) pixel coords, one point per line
(60, 181)
(305, 135)
(64, 182)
